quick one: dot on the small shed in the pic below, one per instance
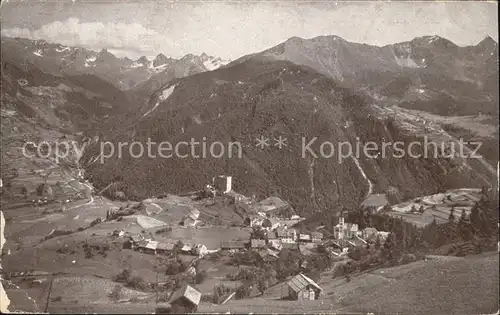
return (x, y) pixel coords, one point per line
(302, 287)
(185, 300)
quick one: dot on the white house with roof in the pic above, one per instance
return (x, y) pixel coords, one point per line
(286, 235)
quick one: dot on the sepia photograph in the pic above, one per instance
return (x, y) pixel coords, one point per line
(249, 157)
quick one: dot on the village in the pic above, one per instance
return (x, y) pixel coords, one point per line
(270, 225)
(209, 250)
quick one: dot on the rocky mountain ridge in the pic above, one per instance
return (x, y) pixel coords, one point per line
(123, 73)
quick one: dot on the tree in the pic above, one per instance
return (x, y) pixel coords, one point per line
(137, 283)
(200, 277)
(115, 294)
(262, 285)
(391, 249)
(24, 191)
(464, 219)
(243, 291)
(464, 226)
(413, 209)
(421, 210)
(347, 278)
(258, 233)
(173, 268)
(178, 247)
(124, 276)
(484, 190)
(378, 243)
(451, 217)
(475, 217)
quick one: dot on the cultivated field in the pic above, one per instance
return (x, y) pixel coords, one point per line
(437, 206)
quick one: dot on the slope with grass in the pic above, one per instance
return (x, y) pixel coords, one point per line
(447, 285)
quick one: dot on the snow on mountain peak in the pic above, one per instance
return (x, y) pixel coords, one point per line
(212, 63)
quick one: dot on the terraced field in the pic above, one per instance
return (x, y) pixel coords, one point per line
(437, 206)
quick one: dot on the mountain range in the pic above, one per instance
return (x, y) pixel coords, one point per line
(417, 74)
(323, 87)
(124, 73)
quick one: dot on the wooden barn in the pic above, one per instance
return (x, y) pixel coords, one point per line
(302, 287)
(185, 300)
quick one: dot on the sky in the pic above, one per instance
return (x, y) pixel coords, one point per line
(236, 28)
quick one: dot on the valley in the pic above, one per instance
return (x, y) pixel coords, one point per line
(270, 231)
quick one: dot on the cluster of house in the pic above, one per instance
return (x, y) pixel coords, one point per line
(348, 235)
(279, 237)
(148, 246)
(348, 231)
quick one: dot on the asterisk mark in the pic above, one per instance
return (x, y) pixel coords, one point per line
(280, 142)
(262, 142)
